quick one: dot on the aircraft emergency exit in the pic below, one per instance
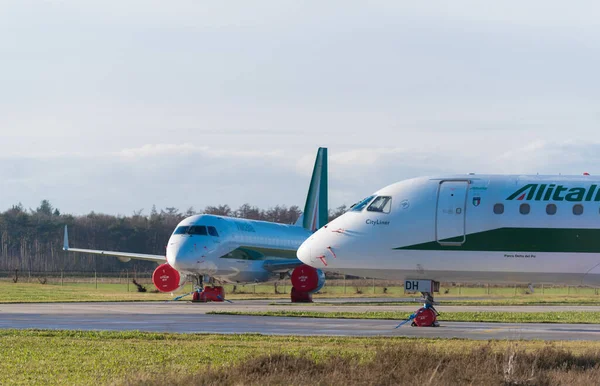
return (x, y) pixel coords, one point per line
(469, 229)
(220, 249)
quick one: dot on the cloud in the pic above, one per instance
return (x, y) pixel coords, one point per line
(538, 156)
(162, 174)
(154, 150)
(363, 171)
(116, 106)
(551, 157)
(184, 175)
(170, 149)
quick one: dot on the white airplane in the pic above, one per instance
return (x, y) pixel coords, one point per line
(219, 249)
(468, 228)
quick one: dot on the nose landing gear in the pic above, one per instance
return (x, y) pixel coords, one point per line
(198, 289)
(425, 316)
(209, 294)
(206, 294)
(202, 294)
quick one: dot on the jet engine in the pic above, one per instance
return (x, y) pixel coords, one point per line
(167, 278)
(308, 279)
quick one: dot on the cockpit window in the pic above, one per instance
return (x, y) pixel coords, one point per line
(381, 204)
(213, 231)
(181, 230)
(198, 230)
(361, 204)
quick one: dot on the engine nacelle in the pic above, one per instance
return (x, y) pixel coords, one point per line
(166, 278)
(308, 279)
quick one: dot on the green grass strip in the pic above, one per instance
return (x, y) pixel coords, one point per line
(323, 302)
(484, 316)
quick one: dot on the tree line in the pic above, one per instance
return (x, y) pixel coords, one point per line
(32, 239)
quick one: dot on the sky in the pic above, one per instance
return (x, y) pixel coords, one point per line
(116, 106)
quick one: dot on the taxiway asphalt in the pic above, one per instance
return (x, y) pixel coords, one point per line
(185, 317)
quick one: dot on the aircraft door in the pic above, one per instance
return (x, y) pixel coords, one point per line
(450, 212)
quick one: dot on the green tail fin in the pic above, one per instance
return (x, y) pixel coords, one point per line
(316, 210)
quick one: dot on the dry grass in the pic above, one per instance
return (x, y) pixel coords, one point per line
(49, 357)
(406, 364)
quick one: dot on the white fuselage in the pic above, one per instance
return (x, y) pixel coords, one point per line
(236, 252)
(470, 228)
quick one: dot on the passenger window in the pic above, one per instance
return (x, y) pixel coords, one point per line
(198, 230)
(524, 209)
(181, 230)
(213, 231)
(551, 209)
(381, 204)
(499, 208)
(577, 209)
(361, 204)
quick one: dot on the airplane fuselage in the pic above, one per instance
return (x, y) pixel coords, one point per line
(232, 249)
(213, 248)
(469, 228)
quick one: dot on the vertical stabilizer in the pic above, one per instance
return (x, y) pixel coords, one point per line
(316, 210)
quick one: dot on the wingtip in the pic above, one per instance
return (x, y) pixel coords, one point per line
(66, 240)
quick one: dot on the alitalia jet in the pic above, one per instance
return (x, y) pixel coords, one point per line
(468, 228)
(218, 249)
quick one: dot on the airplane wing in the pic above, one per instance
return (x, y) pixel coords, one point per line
(123, 256)
(281, 265)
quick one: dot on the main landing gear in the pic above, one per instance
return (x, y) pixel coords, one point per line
(306, 280)
(298, 296)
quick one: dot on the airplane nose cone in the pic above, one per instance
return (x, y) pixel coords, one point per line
(177, 253)
(329, 246)
(190, 254)
(172, 251)
(317, 251)
(303, 252)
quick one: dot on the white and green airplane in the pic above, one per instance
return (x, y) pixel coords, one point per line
(220, 249)
(468, 228)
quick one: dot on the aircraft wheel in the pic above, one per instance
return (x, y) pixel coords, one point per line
(300, 297)
(426, 317)
(213, 294)
(198, 297)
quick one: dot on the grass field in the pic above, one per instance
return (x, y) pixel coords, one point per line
(587, 317)
(106, 290)
(86, 358)
(89, 292)
(35, 292)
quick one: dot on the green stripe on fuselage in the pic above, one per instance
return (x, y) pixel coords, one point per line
(522, 240)
(257, 253)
